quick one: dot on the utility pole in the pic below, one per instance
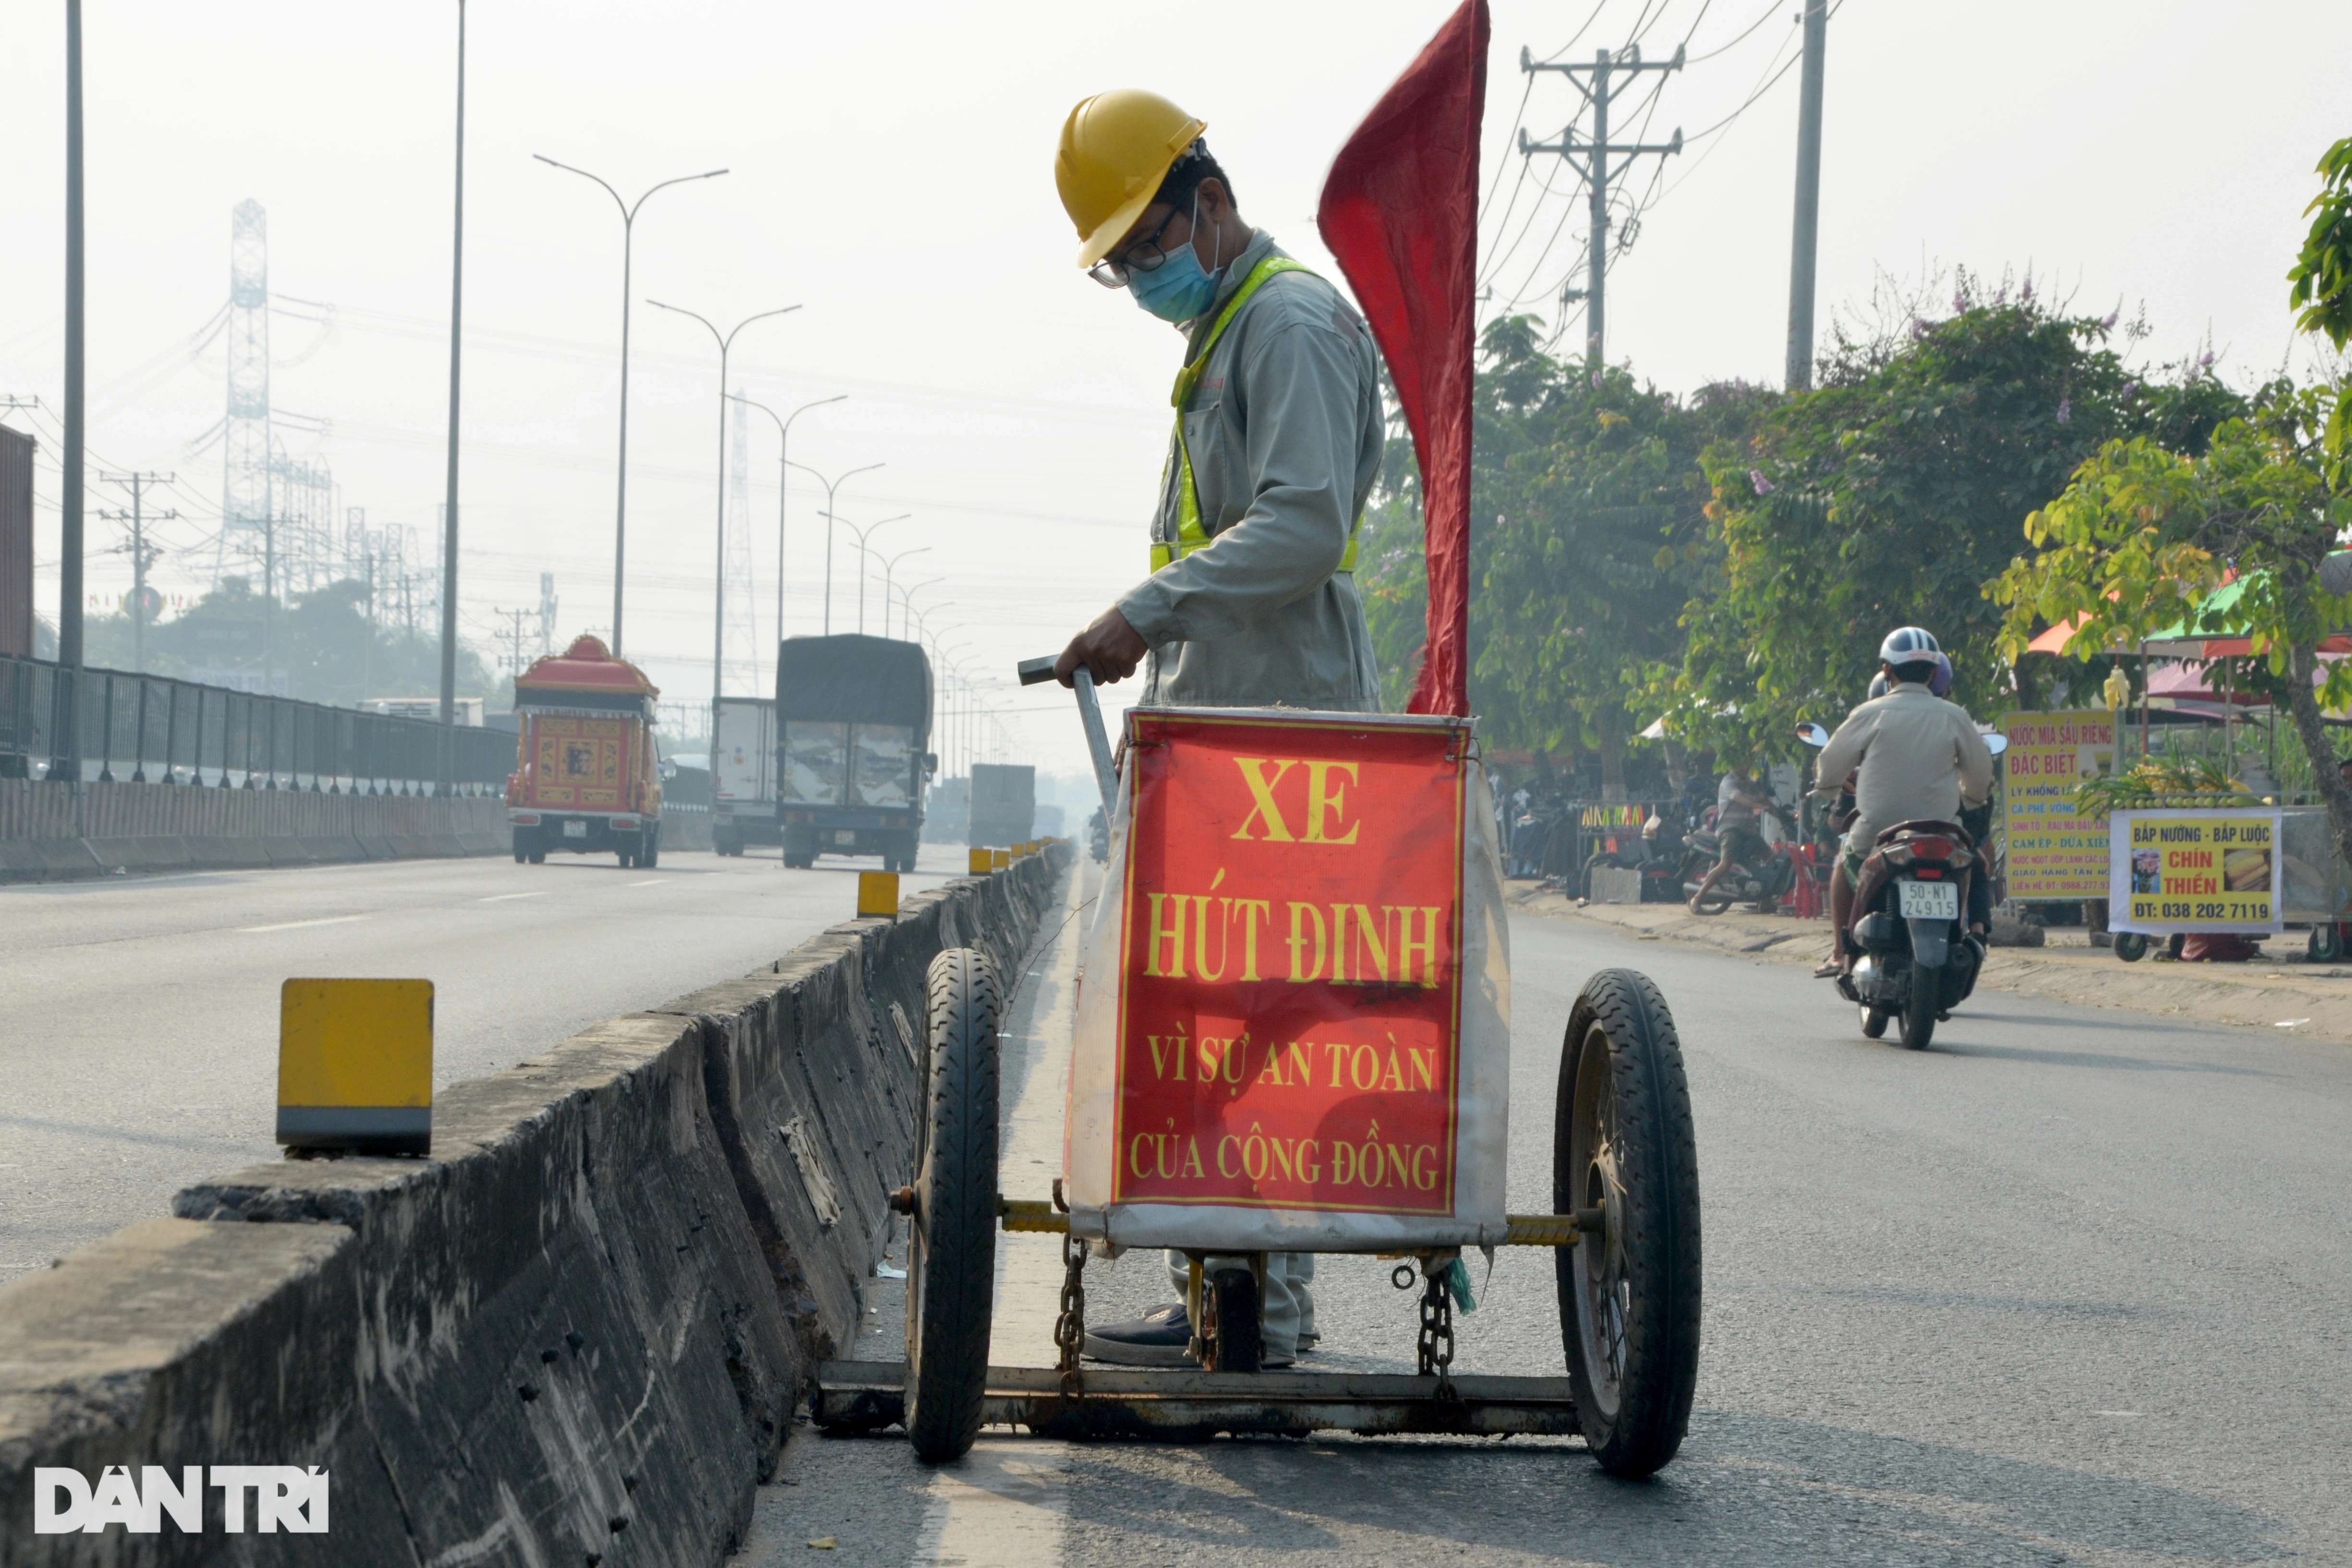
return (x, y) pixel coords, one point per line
(450, 520)
(68, 759)
(142, 554)
(1807, 228)
(1590, 158)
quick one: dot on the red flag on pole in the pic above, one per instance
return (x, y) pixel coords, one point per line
(1401, 212)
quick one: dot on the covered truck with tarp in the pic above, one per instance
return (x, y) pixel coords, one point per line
(852, 738)
(586, 778)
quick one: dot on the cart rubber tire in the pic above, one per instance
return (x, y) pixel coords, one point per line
(650, 856)
(539, 856)
(2326, 943)
(1239, 1342)
(2130, 947)
(952, 1263)
(1916, 1024)
(1873, 1022)
(1629, 1298)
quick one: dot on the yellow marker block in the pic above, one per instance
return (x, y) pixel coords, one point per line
(983, 861)
(878, 894)
(998, 859)
(355, 1066)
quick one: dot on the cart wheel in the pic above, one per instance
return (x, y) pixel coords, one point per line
(650, 856)
(2327, 944)
(1873, 1022)
(2130, 947)
(951, 1270)
(1629, 1297)
(1235, 1333)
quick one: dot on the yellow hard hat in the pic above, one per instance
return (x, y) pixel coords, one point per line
(1116, 148)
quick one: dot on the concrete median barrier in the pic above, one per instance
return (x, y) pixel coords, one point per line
(576, 1332)
(118, 827)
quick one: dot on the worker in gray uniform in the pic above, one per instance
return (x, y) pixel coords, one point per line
(1251, 600)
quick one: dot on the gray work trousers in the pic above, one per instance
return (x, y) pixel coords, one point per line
(1285, 1314)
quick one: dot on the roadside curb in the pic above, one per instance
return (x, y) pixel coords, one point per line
(2265, 993)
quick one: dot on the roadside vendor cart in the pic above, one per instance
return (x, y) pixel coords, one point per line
(1292, 1035)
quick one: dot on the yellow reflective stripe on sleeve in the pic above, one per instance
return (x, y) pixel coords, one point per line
(1190, 534)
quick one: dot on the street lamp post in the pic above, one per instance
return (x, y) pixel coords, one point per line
(889, 569)
(863, 534)
(907, 610)
(830, 486)
(621, 482)
(784, 461)
(725, 341)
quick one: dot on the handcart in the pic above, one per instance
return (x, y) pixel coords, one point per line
(1624, 1221)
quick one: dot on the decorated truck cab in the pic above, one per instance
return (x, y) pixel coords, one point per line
(585, 779)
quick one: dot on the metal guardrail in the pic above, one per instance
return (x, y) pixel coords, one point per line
(151, 729)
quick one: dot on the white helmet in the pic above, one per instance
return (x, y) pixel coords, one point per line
(1909, 645)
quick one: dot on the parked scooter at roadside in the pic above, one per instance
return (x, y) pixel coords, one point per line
(1919, 961)
(1759, 874)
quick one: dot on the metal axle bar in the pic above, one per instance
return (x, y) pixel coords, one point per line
(1038, 1215)
(1187, 1406)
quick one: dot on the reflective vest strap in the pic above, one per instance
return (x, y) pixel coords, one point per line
(1190, 534)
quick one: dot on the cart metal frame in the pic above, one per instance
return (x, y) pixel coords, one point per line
(1624, 1239)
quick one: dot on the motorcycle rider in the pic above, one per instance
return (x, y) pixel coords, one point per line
(1912, 755)
(1738, 798)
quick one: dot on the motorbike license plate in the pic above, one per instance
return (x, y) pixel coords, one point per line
(1928, 900)
(844, 835)
(575, 830)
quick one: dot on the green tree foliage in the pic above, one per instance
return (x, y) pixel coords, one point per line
(1586, 508)
(2141, 537)
(322, 639)
(1890, 496)
(2320, 281)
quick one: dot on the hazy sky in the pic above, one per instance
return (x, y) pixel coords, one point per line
(892, 175)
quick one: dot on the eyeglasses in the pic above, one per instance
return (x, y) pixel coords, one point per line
(1147, 257)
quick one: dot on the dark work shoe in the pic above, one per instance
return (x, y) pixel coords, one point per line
(1159, 1338)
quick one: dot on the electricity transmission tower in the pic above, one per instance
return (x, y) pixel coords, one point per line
(245, 492)
(142, 554)
(1612, 73)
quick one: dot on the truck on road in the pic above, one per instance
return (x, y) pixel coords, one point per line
(743, 774)
(852, 733)
(1003, 805)
(586, 778)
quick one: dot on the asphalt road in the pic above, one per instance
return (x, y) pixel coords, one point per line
(139, 1015)
(2071, 1287)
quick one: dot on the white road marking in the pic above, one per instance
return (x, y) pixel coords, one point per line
(650, 882)
(502, 897)
(291, 925)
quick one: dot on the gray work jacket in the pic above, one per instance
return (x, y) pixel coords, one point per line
(1285, 429)
(1919, 756)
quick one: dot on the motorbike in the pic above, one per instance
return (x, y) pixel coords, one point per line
(1758, 878)
(1918, 960)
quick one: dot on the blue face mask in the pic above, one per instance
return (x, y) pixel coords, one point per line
(1179, 289)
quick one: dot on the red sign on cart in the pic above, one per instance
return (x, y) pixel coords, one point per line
(1290, 978)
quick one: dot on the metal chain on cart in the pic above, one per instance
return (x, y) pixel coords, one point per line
(1437, 1334)
(1070, 1328)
